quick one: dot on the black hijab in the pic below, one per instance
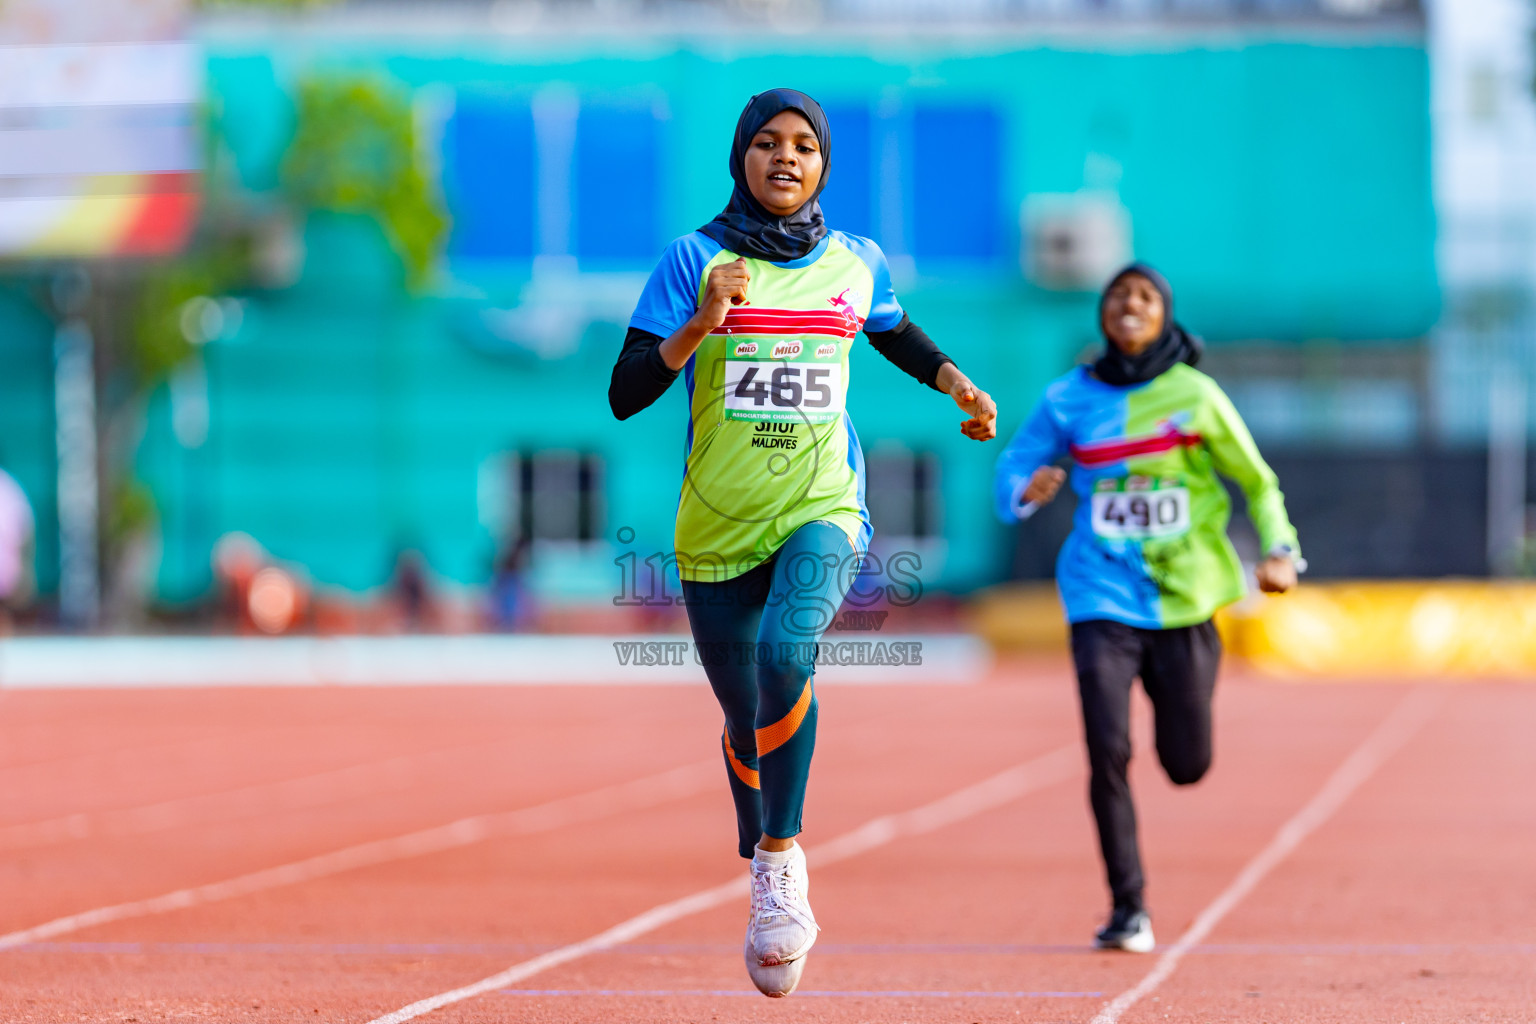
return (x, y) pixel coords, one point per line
(1175, 345)
(746, 228)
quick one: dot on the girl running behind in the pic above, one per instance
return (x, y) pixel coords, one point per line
(1148, 562)
(759, 309)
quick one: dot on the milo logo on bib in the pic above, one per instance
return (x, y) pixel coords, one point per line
(1140, 508)
(746, 348)
(787, 349)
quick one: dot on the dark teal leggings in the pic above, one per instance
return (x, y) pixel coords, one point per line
(756, 634)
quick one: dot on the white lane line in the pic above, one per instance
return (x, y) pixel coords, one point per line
(650, 791)
(350, 782)
(1412, 713)
(1058, 766)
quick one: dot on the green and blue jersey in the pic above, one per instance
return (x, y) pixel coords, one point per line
(1149, 542)
(769, 444)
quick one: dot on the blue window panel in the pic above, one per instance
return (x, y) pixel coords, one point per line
(957, 182)
(617, 185)
(849, 200)
(490, 166)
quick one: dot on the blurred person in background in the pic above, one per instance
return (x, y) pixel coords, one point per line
(759, 309)
(412, 603)
(237, 558)
(1148, 562)
(254, 592)
(508, 599)
(17, 541)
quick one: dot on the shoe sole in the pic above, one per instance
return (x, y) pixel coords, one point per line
(773, 980)
(1142, 943)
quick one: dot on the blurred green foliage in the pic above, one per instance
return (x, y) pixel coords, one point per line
(130, 511)
(160, 342)
(218, 260)
(355, 151)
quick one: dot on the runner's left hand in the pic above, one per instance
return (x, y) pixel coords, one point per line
(1276, 574)
(982, 426)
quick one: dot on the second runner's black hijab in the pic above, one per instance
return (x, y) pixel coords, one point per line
(1173, 346)
(744, 226)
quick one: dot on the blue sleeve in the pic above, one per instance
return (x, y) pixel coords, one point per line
(671, 295)
(1039, 442)
(884, 311)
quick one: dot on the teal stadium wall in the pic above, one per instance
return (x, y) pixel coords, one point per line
(1281, 180)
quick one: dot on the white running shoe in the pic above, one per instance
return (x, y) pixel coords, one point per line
(1130, 930)
(777, 981)
(781, 928)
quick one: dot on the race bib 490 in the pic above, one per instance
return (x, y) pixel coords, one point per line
(1140, 508)
(784, 382)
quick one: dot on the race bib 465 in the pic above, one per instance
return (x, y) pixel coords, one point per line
(784, 381)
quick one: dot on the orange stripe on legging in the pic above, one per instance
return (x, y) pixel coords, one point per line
(774, 736)
(745, 774)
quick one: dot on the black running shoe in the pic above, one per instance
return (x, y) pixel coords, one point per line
(1128, 929)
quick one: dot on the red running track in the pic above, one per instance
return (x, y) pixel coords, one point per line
(1407, 898)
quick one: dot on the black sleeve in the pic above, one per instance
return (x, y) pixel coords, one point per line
(909, 347)
(640, 376)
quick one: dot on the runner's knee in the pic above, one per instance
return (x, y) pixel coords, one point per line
(787, 672)
(1109, 756)
(1185, 768)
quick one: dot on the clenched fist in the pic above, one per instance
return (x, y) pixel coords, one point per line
(1044, 485)
(1276, 574)
(725, 287)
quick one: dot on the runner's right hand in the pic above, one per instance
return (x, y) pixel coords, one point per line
(1044, 484)
(1276, 574)
(725, 287)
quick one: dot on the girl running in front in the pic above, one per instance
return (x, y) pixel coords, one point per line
(1148, 562)
(758, 309)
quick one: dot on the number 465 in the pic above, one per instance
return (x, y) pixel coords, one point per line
(784, 389)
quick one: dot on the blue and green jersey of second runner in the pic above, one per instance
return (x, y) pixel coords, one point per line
(770, 446)
(1149, 544)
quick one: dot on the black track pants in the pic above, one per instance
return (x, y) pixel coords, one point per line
(1178, 670)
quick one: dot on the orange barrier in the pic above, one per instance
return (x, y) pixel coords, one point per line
(1387, 629)
(1019, 617)
(1398, 628)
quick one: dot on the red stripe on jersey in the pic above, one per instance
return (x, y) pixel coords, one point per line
(755, 320)
(756, 312)
(1101, 452)
(748, 330)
